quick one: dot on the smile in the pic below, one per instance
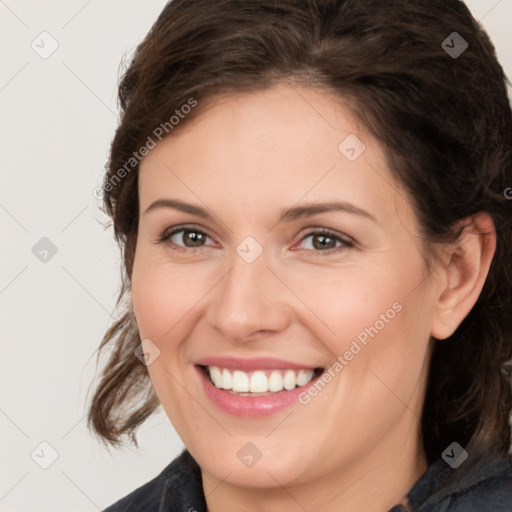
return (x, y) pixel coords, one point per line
(247, 404)
(259, 381)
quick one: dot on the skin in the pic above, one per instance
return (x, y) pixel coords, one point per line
(356, 445)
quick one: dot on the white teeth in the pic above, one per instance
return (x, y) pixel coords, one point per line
(240, 381)
(260, 381)
(289, 380)
(227, 379)
(216, 376)
(302, 378)
(275, 382)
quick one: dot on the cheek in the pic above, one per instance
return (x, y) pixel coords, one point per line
(380, 322)
(163, 303)
(376, 318)
(163, 296)
(343, 302)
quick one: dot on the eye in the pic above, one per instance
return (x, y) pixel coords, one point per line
(189, 236)
(326, 242)
(322, 241)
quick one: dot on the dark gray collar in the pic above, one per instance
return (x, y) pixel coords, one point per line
(183, 488)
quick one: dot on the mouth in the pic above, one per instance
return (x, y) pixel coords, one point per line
(260, 382)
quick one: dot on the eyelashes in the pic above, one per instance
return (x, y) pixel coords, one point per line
(168, 235)
(321, 235)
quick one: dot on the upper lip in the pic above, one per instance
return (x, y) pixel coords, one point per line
(260, 363)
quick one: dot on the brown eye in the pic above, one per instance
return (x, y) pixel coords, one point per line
(192, 238)
(186, 238)
(326, 242)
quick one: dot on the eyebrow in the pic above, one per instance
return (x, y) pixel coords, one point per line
(285, 214)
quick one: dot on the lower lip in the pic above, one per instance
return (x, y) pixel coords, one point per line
(251, 407)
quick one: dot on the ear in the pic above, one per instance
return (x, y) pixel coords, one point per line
(463, 269)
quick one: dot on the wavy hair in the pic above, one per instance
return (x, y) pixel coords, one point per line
(444, 121)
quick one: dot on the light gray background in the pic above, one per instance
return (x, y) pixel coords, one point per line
(58, 116)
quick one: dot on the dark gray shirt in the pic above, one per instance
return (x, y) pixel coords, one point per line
(486, 488)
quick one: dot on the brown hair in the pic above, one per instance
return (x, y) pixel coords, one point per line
(445, 123)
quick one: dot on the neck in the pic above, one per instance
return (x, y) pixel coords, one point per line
(374, 483)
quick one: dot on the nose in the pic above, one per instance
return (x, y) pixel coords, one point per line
(249, 300)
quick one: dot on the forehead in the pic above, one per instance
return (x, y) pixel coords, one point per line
(277, 146)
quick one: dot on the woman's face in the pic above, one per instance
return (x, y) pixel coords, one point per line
(270, 276)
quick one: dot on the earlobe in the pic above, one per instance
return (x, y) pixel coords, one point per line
(463, 272)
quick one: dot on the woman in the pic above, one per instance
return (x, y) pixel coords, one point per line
(311, 199)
